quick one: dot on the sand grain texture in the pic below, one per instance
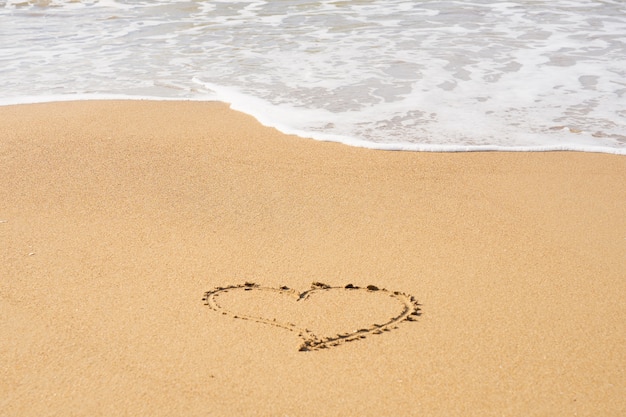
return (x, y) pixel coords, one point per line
(118, 216)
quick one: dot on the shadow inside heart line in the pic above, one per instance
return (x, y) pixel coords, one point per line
(322, 316)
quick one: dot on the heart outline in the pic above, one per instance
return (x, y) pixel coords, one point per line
(312, 342)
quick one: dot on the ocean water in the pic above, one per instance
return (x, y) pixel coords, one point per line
(420, 75)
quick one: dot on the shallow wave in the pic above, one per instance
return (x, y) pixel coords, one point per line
(432, 75)
(393, 146)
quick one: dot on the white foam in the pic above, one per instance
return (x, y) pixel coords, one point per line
(384, 74)
(13, 101)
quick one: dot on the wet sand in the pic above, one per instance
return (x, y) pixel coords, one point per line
(119, 218)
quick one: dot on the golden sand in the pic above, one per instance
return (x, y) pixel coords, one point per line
(118, 219)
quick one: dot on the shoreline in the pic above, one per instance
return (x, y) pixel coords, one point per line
(117, 217)
(319, 136)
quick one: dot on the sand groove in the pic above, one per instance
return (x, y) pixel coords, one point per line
(409, 310)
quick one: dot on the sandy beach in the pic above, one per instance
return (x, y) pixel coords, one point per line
(143, 247)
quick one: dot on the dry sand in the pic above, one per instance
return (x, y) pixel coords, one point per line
(117, 217)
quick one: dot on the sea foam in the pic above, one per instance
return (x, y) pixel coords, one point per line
(383, 74)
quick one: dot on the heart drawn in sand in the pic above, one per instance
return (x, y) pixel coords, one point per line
(322, 316)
